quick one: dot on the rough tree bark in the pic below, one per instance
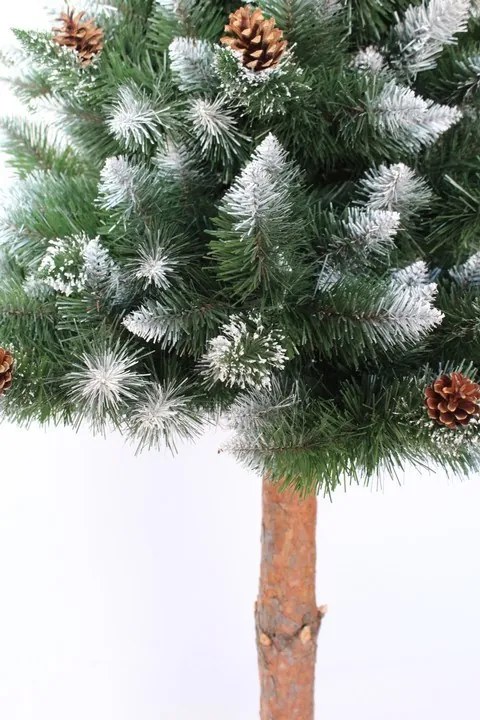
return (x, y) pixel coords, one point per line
(286, 613)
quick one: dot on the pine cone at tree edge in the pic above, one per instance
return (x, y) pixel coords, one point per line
(452, 400)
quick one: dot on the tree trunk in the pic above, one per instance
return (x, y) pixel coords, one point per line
(286, 613)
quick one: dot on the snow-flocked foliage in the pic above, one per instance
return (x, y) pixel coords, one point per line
(63, 265)
(99, 266)
(120, 182)
(191, 60)
(369, 59)
(244, 354)
(412, 121)
(260, 195)
(371, 228)
(425, 29)
(396, 188)
(214, 125)
(162, 416)
(468, 273)
(153, 265)
(133, 119)
(103, 378)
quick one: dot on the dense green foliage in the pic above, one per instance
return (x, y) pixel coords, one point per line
(297, 247)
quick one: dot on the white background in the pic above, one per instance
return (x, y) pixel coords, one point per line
(127, 583)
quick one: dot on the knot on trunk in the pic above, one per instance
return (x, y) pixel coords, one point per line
(274, 629)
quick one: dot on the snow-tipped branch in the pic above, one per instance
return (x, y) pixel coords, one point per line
(101, 272)
(371, 229)
(122, 183)
(215, 128)
(355, 319)
(258, 405)
(244, 354)
(426, 29)
(369, 60)
(416, 276)
(261, 194)
(154, 264)
(135, 120)
(104, 378)
(162, 415)
(178, 321)
(468, 273)
(191, 60)
(256, 235)
(63, 265)
(409, 120)
(396, 188)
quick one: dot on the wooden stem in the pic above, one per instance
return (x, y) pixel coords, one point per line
(286, 615)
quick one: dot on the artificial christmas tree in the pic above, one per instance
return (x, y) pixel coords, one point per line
(268, 212)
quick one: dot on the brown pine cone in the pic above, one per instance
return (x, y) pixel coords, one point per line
(258, 40)
(6, 370)
(453, 400)
(80, 35)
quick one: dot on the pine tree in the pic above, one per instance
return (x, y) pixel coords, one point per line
(267, 214)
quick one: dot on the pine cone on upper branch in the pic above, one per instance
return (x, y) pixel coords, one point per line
(80, 35)
(453, 400)
(260, 43)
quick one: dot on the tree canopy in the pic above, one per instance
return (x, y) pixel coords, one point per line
(293, 242)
